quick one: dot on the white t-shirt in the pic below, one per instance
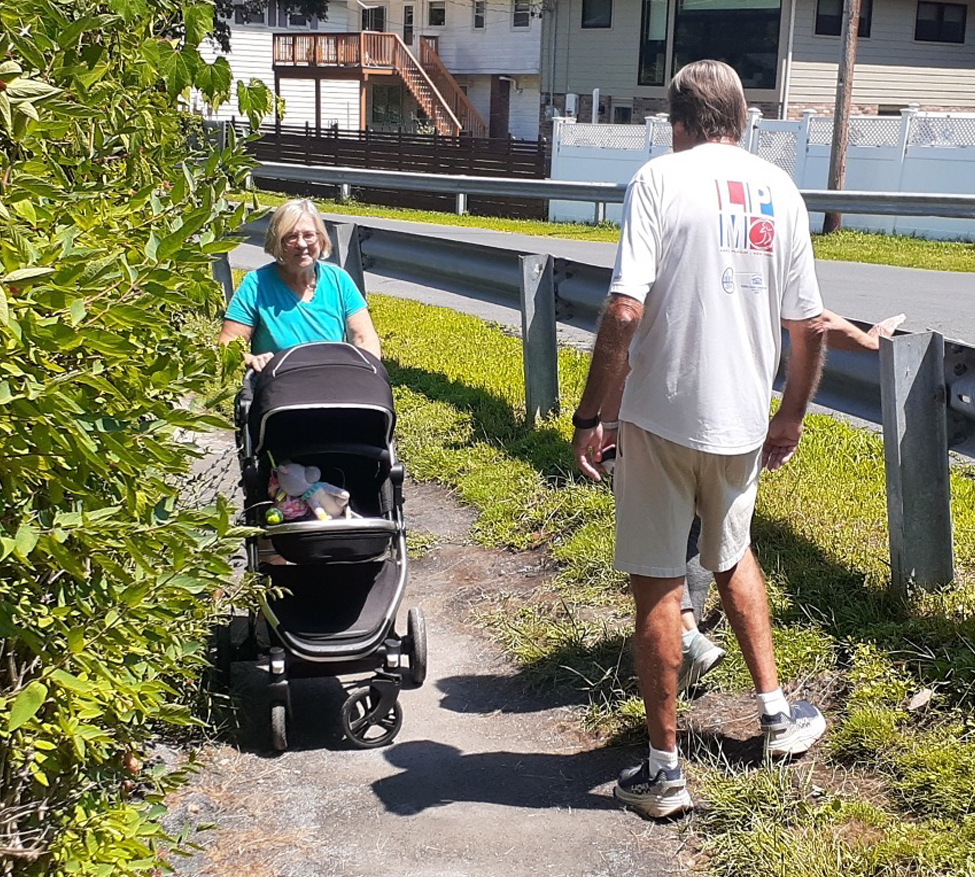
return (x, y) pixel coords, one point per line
(715, 243)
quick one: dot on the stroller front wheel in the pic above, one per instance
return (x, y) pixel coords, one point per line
(363, 725)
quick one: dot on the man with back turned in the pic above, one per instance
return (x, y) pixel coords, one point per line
(714, 256)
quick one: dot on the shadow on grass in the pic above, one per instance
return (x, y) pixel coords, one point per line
(493, 419)
(823, 593)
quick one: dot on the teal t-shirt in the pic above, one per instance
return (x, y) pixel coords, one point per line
(280, 319)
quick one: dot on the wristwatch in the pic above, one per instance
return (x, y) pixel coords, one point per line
(584, 422)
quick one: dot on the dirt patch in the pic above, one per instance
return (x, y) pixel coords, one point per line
(486, 778)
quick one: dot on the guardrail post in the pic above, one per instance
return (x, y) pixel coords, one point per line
(538, 336)
(912, 393)
(599, 212)
(223, 275)
(345, 192)
(461, 204)
(344, 237)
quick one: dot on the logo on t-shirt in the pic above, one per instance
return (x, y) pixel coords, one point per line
(746, 217)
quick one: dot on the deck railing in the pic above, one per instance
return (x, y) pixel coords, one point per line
(437, 93)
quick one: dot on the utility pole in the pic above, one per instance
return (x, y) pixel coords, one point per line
(841, 114)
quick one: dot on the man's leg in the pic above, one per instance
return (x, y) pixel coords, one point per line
(657, 654)
(742, 590)
(726, 509)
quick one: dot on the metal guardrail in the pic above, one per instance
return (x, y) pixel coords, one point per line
(920, 387)
(870, 203)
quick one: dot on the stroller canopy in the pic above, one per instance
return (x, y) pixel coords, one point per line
(313, 395)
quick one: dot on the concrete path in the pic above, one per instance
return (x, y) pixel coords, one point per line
(939, 300)
(487, 778)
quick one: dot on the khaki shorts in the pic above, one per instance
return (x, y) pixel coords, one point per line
(659, 487)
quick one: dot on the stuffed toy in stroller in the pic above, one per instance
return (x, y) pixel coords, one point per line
(298, 492)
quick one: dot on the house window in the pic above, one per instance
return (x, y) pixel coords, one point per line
(437, 13)
(653, 43)
(480, 7)
(597, 13)
(374, 19)
(829, 17)
(408, 25)
(521, 13)
(940, 22)
(387, 105)
(622, 115)
(742, 33)
(242, 16)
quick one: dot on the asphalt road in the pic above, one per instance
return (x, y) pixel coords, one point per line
(940, 300)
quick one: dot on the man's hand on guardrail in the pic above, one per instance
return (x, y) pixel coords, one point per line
(781, 441)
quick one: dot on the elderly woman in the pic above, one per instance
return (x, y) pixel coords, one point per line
(297, 298)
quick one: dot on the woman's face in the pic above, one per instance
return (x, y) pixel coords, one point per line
(301, 247)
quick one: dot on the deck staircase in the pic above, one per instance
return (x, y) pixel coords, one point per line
(426, 78)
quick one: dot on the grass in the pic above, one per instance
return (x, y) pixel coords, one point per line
(820, 532)
(844, 246)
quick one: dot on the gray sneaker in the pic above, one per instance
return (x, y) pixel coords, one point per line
(662, 795)
(701, 657)
(793, 734)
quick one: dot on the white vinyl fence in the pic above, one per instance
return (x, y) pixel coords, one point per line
(917, 152)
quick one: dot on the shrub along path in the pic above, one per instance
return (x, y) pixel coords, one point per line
(486, 778)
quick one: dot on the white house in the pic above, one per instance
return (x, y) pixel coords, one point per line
(786, 52)
(445, 65)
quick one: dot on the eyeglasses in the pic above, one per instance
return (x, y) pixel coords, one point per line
(297, 238)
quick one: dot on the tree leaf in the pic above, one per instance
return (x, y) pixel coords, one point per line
(28, 701)
(25, 539)
(23, 276)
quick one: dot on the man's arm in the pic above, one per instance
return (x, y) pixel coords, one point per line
(607, 372)
(843, 335)
(807, 344)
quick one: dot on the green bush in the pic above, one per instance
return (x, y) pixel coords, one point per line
(109, 577)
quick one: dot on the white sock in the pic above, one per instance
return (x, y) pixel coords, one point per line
(687, 638)
(661, 759)
(772, 702)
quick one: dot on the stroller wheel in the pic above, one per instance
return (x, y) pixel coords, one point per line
(279, 727)
(223, 656)
(416, 635)
(361, 724)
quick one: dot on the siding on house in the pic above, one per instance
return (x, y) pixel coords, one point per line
(522, 107)
(251, 58)
(578, 60)
(891, 68)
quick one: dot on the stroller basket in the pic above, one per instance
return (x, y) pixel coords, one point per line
(347, 540)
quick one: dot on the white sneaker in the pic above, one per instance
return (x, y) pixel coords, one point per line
(793, 734)
(656, 796)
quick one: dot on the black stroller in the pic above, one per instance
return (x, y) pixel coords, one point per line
(335, 584)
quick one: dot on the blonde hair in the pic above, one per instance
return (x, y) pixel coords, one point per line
(706, 97)
(283, 221)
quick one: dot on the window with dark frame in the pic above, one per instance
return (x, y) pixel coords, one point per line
(408, 25)
(829, 18)
(940, 22)
(622, 115)
(480, 8)
(521, 13)
(597, 13)
(437, 13)
(374, 19)
(242, 16)
(387, 105)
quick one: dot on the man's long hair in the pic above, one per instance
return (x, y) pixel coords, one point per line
(707, 98)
